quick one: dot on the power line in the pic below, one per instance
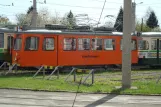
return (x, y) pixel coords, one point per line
(77, 6)
(74, 6)
(6, 5)
(59, 11)
(101, 12)
(108, 2)
(152, 4)
(149, 6)
(20, 7)
(84, 6)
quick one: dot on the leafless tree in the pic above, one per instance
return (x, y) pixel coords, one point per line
(44, 17)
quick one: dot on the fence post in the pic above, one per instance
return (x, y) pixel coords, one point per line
(58, 74)
(43, 72)
(93, 77)
(5, 66)
(74, 76)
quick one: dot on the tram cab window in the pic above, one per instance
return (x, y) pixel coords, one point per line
(133, 45)
(83, 44)
(97, 44)
(17, 43)
(1, 40)
(154, 44)
(69, 44)
(48, 44)
(143, 45)
(109, 44)
(32, 43)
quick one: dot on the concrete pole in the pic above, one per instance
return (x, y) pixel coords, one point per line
(34, 16)
(126, 52)
(142, 22)
(133, 16)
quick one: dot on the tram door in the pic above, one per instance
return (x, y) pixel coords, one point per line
(8, 56)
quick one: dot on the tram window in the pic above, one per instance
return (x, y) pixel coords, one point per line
(83, 44)
(48, 44)
(96, 44)
(69, 44)
(17, 43)
(133, 44)
(109, 44)
(143, 45)
(32, 43)
(159, 44)
(154, 44)
(1, 40)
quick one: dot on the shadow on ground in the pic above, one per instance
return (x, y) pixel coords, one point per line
(106, 98)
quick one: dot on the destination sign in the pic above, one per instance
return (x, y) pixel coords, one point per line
(153, 55)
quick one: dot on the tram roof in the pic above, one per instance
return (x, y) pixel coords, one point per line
(75, 32)
(6, 30)
(151, 34)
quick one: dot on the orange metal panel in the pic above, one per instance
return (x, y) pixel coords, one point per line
(69, 58)
(39, 57)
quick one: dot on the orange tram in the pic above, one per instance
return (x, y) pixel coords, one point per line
(34, 48)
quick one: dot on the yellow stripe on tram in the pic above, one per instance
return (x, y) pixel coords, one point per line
(51, 67)
(46, 67)
(8, 64)
(79, 70)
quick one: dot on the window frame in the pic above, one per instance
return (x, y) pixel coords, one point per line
(145, 45)
(83, 44)
(14, 44)
(45, 43)
(135, 44)
(75, 39)
(113, 45)
(152, 48)
(3, 45)
(102, 48)
(30, 41)
(155, 44)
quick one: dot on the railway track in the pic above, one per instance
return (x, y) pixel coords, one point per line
(33, 70)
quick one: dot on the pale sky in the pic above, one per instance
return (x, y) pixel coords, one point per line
(91, 7)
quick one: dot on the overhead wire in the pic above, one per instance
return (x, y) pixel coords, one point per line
(49, 3)
(101, 12)
(77, 6)
(108, 1)
(89, 51)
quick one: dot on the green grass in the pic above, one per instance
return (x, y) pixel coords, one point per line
(105, 82)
